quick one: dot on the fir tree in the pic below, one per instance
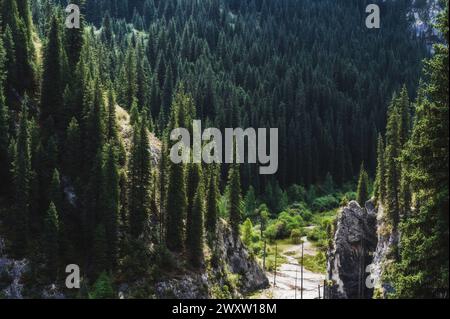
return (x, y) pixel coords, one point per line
(194, 231)
(53, 79)
(176, 206)
(51, 240)
(194, 176)
(4, 128)
(103, 288)
(111, 202)
(140, 180)
(56, 194)
(362, 194)
(73, 149)
(74, 37)
(234, 200)
(391, 156)
(212, 209)
(22, 171)
(380, 182)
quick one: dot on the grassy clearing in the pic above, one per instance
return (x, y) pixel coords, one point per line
(316, 264)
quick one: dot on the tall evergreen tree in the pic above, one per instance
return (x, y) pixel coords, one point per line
(51, 240)
(75, 37)
(53, 80)
(195, 230)
(4, 128)
(234, 200)
(391, 156)
(380, 182)
(140, 180)
(212, 210)
(111, 202)
(194, 177)
(22, 171)
(362, 194)
(176, 207)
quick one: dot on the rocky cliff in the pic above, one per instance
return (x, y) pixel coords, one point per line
(229, 272)
(363, 247)
(350, 254)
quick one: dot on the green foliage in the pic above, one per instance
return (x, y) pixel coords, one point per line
(65, 146)
(194, 236)
(296, 193)
(282, 227)
(324, 203)
(140, 180)
(212, 209)
(103, 288)
(362, 193)
(176, 206)
(316, 263)
(51, 246)
(380, 182)
(296, 236)
(422, 271)
(22, 175)
(235, 199)
(247, 232)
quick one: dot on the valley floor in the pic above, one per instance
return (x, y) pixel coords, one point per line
(288, 276)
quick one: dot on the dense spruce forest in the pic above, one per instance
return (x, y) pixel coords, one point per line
(80, 187)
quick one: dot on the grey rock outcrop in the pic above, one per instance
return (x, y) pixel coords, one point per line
(354, 240)
(11, 272)
(387, 239)
(231, 258)
(237, 258)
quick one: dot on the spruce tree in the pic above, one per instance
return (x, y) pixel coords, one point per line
(101, 262)
(212, 209)
(194, 231)
(22, 171)
(176, 207)
(391, 156)
(140, 179)
(53, 79)
(362, 194)
(111, 121)
(56, 194)
(234, 200)
(74, 38)
(4, 128)
(194, 177)
(380, 182)
(51, 240)
(73, 149)
(111, 202)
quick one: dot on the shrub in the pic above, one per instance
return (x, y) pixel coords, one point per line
(347, 198)
(296, 193)
(103, 288)
(325, 203)
(296, 236)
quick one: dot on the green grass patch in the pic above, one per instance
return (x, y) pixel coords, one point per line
(316, 264)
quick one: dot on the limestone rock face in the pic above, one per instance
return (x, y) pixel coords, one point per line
(387, 239)
(239, 261)
(231, 258)
(190, 286)
(355, 238)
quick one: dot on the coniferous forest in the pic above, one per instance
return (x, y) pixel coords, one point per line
(86, 176)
